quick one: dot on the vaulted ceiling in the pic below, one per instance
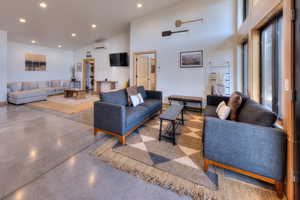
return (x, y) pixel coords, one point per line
(53, 25)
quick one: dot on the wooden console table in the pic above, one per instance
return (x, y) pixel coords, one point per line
(99, 84)
(185, 100)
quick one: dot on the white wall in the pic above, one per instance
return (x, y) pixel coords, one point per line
(116, 44)
(59, 63)
(215, 35)
(3, 64)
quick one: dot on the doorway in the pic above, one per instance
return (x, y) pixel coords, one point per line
(145, 69)
(88, 74)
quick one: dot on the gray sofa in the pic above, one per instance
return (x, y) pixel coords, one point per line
(113, 116)
(31, 91)
(252, 146)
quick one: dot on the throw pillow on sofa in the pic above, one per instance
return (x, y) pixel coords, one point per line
(234, 103)
(223, 111)
(136, 99)
(130, 92)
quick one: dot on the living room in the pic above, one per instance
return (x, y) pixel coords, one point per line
(148, 100)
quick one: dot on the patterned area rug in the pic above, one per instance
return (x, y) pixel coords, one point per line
(67, 105)
(176, 167)
(183, 160)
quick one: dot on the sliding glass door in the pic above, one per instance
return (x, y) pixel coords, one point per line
(271, 66)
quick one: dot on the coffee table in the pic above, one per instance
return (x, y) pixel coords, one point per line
(78, 93)
(171, 116)
(187, 99)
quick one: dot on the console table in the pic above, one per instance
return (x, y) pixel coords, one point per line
(187, 99)
(100, 83)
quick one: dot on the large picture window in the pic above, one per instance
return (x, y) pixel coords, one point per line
(245, 72)
(271, 66)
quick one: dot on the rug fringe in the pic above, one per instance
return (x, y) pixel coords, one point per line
(151, 174)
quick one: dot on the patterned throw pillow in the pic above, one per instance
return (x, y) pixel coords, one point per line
(136, 99)
(223, 111)
(234, 103)
(130, 92)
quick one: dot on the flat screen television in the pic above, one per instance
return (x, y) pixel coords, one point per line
(119, 60)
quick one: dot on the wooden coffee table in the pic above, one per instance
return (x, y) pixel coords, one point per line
(74, 92)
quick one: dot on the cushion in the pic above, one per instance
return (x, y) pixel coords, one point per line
(234, 103)
(131, 91)
(223, 111)
(43, 84)
(210, 111)
(152, 104)
(65, 84)
(116, 97)
(136, 99)
(15, 86)
(254, 113)
(30, 85)
(28, 93)
(134, 115)
(55, 83)
(141, 90)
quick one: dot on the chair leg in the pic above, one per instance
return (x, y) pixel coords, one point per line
(279, 189)
(122, 140)
(205, 168)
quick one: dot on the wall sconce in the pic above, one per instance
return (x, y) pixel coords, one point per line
(169, 33)
(179, 23)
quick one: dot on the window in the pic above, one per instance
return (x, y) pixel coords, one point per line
(245, 9)
(271, 66)
(245, 68)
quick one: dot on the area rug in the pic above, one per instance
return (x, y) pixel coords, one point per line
(176, 167)
(67, 105)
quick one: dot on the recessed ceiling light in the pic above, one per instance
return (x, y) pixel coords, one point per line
(43, 5)
(22, 20)
(73, 34)
(60, 46)
(94, 25)
(139, 5)
(33, 41)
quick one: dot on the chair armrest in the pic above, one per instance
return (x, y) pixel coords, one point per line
(154, 94)
(257, 149)
(216, 100)
(109, 117)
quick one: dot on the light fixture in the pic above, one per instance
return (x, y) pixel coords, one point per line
(139, 5)
(33, 41)
(43, 5)
(94, 25)
(60, 46)
(22, 20)
(73, 34)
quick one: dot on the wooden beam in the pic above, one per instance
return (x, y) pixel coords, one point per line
(288, 76)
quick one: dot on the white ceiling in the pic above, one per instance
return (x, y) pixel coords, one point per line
(53, 26)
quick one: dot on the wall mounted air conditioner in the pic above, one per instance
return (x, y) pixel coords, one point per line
(100, 45)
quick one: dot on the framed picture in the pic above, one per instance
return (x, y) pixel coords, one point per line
(191, 59)
(35, 62)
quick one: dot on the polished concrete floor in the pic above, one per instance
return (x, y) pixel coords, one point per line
(45, 155)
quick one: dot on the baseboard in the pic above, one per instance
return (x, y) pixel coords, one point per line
(3, 103)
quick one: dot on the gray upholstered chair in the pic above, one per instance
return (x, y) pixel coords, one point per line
(252, 146)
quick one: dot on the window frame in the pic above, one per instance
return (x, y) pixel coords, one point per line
(275, 62)
(245, 87)
(245, 9)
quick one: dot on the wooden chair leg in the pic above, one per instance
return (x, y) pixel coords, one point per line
(279, 189)
(122, 140)
(205, 168)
